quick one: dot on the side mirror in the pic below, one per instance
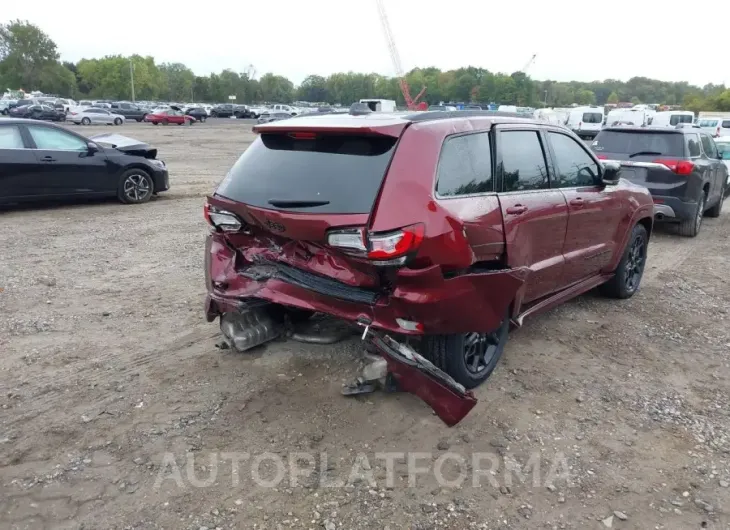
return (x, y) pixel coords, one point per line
(93, 148)
(611, 172)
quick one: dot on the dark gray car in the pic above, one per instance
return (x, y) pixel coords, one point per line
(680, 166)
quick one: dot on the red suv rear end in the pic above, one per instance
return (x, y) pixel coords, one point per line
(353, 217)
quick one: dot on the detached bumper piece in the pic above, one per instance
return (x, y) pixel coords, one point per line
(416, 375)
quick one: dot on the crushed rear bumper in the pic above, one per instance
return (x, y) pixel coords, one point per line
(461, 304)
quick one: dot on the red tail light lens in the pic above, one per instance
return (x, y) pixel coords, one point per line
(303, 135)
(602, 157)
(680, 167)
(390, 248)
(396, 244)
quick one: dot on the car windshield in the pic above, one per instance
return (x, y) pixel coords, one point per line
(708, 123)
(633, 142)
(342, 174)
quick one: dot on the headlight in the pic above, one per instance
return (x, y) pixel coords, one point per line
(157, 163)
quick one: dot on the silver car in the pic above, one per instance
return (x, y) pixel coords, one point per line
(94, 115)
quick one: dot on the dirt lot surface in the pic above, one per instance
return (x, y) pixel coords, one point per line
(111, 383)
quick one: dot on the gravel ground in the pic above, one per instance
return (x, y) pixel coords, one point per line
(118, 411)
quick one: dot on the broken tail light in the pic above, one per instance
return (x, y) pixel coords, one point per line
(680, 167)
(386, 249)
(222, 220)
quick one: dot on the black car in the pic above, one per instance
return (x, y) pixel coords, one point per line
(223, 111)
(197, 112)
(130, 111)
(38, 112)
(680, 166)
(42, 161)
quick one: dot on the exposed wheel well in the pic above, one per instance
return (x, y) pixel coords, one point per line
(706, 189)
(648, 223)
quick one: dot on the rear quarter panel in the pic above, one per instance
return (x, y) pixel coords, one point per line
(459, 231)
(637, 206)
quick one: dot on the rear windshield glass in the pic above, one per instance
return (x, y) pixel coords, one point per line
(676, 119)
(335, 173)
(707, 123)
(592, 117)
(631, 142)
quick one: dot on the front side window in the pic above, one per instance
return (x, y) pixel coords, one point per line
(56, 139)
(523, 161)
(465, 166)
(10, 138)
(575, 167)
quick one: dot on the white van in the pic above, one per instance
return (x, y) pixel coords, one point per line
(507, 108)
(635, 117)
(715, 126)
(380, 105)
(586, 122)
(672, 118)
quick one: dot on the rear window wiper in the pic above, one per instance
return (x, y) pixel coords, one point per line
(639, 153)
(296, 203)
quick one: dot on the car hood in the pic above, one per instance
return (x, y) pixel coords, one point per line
(125, 144)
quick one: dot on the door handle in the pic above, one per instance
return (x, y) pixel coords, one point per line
(517, 209)
(577, 202)
(48, 159)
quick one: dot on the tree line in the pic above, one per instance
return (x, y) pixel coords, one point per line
(30, 60)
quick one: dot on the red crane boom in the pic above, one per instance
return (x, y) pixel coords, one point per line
(411, 103)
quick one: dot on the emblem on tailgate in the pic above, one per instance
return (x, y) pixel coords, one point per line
(273, 225)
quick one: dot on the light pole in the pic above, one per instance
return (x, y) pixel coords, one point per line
(131, 76)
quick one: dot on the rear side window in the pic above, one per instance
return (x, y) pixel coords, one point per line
(592, 117)
(693, 145)
(327, 174)
(523, 161)
(465, 166)
(10, 138)
(635, 142)
(575, 167)
(725, 124)
(708, 123)
(676, 119)
(708, 144)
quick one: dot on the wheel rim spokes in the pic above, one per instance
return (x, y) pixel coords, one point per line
(479, 350)
(635, 263)
(136, 187)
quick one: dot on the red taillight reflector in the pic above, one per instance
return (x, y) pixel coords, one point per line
(206, 213)
(602, 157)
(303, 135)
(680, 167)
(396, 244)
(658, 201)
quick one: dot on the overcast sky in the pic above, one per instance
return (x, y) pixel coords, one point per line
(574, 40)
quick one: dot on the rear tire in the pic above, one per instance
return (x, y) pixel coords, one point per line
(691, 227)
(630, 270)
(470, 358)
(715, 210)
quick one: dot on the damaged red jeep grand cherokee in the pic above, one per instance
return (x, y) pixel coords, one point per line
(438, 230)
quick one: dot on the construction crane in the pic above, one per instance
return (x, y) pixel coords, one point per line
(411, 103)
(528, 64)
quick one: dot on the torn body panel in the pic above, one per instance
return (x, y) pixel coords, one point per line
(262, 269)
(414, 374)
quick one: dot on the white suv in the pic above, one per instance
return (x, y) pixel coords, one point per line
(715, 126)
